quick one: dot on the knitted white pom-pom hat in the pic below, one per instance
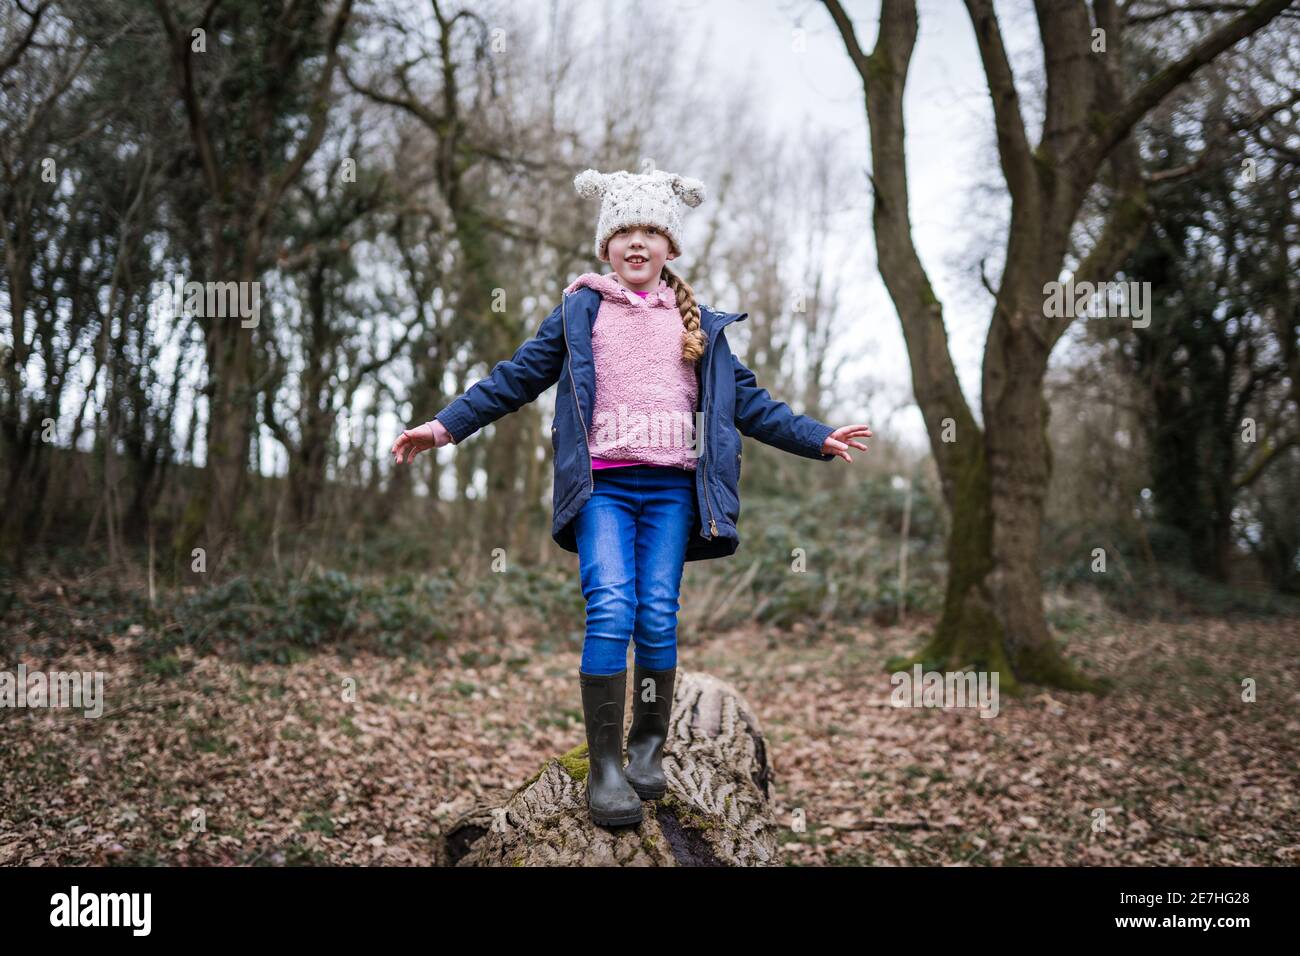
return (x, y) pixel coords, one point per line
(647, 199)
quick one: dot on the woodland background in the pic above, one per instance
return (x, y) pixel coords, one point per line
(392, 175)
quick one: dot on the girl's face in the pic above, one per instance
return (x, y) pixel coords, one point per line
(638, 254)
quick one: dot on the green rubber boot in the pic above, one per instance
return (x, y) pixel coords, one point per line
(645, 741)
(610, 799)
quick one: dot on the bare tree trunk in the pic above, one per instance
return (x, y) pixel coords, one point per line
(1019, 458)
(995, 480)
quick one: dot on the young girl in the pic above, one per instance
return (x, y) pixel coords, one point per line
(647, 460)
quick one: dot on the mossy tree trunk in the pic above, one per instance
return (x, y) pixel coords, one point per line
(717, 811)
(995, 478)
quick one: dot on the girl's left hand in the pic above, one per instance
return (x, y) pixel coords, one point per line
(838, 441)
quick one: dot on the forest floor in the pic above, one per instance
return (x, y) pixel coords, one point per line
(206, 761)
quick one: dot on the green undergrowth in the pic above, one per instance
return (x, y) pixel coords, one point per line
(1138, 588)
(282, 618)
(835, 551)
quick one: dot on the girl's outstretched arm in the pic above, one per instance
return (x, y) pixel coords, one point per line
(533, 369)
(760, 416)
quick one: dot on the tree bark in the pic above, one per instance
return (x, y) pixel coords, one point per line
(717, 811)
(995, 480)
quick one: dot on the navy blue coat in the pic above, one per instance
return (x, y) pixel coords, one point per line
(728, 392)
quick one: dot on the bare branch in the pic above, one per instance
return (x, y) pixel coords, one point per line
(1271, 452)
(180, 55)
(13, 56)
(1118, 124)
(319, 112)
(1137, 19)
(1013, 144)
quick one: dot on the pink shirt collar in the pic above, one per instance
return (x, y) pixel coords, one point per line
(612, 290)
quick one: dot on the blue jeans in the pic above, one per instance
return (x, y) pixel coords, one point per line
(632, 534)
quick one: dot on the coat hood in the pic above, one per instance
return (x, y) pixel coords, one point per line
(611, 290)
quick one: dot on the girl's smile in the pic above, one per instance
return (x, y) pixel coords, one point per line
(638, 254)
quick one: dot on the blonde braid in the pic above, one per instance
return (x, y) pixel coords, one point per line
(693, 341)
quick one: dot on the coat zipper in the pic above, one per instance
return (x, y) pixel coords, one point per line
(713, 527)
(564, 323)
(708, 401)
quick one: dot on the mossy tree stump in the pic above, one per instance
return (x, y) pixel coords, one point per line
(717, 810)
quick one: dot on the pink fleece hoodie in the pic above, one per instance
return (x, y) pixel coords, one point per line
(646, 393)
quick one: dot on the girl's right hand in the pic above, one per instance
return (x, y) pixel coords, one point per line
(421, 438)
